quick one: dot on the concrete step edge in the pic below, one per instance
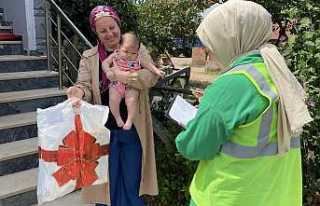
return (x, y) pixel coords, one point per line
(17, 183)
(10, 42)
(6, 27)
(17, 120)
(27, 75)
(18, 149)
(72, 199)
(15, 96)
(4, 58)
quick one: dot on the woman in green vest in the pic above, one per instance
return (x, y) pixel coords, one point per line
(246, 131)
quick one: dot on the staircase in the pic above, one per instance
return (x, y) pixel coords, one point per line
(25, 85)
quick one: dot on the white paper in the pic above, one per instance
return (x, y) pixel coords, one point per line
(182, 111)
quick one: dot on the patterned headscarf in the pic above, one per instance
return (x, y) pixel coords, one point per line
(101, 11)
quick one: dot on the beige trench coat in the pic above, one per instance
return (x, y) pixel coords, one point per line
(88, 80)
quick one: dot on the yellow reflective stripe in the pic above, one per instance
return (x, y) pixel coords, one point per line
(265, 127)
(259, 78)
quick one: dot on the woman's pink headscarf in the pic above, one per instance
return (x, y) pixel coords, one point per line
(101, 11)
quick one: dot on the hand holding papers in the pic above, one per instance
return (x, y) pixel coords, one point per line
(182, 111)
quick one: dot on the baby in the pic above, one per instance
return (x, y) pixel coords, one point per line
(126, 59)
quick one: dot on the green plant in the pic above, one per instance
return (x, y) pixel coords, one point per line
(175, 174)
(303, 54)
(169, 25)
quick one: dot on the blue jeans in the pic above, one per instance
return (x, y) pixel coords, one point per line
(125, 168)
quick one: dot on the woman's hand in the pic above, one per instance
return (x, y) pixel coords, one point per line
(142, 79)
(123, 76)
(198, 93)
(160, 73)
(75, 94)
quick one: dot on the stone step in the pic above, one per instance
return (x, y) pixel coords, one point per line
(17, 81)
(8, 97)
(11, 47)
(27, 75)
(72, 199)
(17, 127)
(18, 156)
(17, 120)
(10, 42)
(6, 28)
(6, 23)
(18, 189)
(29, 100)
(18, 149)
(20, 63)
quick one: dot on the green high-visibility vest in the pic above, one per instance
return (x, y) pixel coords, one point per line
(249, 171)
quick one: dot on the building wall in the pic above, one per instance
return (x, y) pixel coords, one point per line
(199, 56)
(28, 18)
(39, 15)
(29, 9)
(14, 10)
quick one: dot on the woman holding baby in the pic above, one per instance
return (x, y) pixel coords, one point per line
(132, 167)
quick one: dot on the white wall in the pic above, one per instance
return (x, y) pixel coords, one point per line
(23, 22)
(39, 16)
(31, 28)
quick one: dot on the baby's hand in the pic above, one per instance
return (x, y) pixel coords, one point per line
(160, 73)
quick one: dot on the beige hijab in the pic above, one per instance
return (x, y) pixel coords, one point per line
(238, 27)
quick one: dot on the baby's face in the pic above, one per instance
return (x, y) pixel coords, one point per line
(128, 51)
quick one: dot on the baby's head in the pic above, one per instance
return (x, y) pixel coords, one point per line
(129, 47)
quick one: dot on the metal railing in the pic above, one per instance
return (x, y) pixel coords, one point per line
(62, 50)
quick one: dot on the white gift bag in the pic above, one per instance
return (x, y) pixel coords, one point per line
(73, 149)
